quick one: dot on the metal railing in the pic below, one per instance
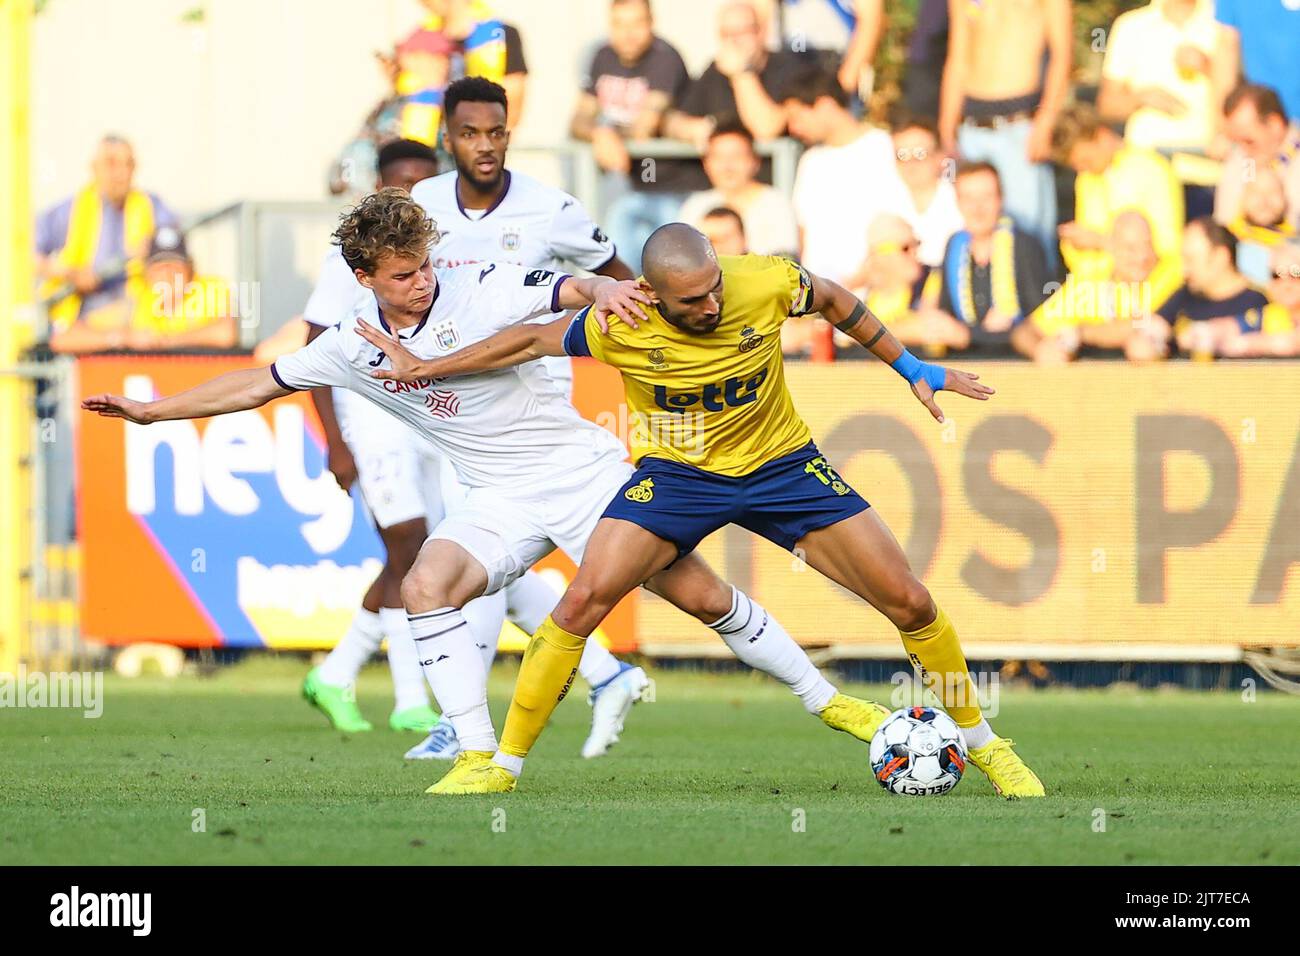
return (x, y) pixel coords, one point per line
(54, 638)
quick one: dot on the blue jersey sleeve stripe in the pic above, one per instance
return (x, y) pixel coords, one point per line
(555, 292)
(575, 337)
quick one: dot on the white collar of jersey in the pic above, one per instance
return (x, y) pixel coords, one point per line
(415, 331)
(455, 189)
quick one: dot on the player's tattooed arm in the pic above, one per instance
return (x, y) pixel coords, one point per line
(842, 309)
(232, 392)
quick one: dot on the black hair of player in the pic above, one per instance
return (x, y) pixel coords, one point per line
(400, 149)
(472, 89)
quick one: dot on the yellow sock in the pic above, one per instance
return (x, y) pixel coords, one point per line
(935, 650)
(550, 664)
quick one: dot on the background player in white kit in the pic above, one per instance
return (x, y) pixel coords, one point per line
(405, 483)
(539, 475)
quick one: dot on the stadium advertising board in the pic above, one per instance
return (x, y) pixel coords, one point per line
(1089, 505)
(227, 531)
(1086, 505)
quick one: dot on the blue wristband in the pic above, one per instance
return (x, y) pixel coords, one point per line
(913, 369)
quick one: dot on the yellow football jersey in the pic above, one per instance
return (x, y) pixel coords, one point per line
(717, 401)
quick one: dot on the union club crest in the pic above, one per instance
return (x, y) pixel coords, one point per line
(446, 336)
(442, 404)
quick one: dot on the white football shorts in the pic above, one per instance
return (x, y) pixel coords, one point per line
(509, 530)
(399, 473)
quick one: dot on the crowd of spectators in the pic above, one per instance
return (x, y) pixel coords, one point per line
(1002, 210)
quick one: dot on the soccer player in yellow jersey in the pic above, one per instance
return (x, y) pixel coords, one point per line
(718, 441)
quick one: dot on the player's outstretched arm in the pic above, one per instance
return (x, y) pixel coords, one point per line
(845, 311)
(232, 392)
(509, 347)
(518, 343)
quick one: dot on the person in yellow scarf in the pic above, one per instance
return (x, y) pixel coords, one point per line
(1263, 224)
(458, 38)
(994, 273)
(90, 251)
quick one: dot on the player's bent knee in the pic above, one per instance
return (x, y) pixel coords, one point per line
(420, 592)
(913, 607)
(581, 608)
(710, 604)
(431, 584)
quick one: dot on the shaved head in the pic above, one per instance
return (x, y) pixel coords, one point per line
(676, 248)
(683, 272)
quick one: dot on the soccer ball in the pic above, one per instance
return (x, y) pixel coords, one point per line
(918, 752)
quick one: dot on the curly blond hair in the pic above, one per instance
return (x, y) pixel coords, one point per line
(386, 223)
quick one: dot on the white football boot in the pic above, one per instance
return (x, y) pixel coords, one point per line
(610, 703)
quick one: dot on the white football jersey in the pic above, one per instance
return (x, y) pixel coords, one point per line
(505, 427)
(532, 224)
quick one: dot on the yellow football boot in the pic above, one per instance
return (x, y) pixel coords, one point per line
(485, 777)
(465, 761)
(1010, 776)
(853, 716)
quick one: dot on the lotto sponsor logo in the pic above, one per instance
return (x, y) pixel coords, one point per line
(732, 393)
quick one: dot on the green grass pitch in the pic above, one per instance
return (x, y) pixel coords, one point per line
(718, 769)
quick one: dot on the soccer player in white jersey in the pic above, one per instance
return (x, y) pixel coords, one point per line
(407, 487)
(539, 475)
(366, 446)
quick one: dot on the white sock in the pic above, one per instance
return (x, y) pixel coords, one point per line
(403, 661)
(454, 669)
(760, 641)
(979, 735)
(485, 615)
(597, 664)
(510, 762)
(362, 639)
(529, 600)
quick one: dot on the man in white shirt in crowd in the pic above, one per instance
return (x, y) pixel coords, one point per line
(1157, 77)
(927, 200)
(844, 180)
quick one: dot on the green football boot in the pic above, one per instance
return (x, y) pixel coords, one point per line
(420, 719)
(339, 704)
